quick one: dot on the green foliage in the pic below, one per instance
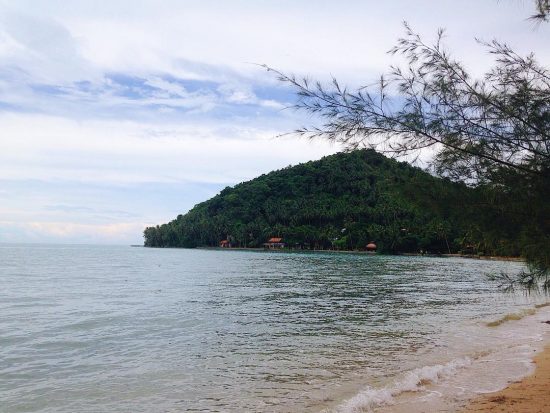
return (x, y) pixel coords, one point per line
(491, 131)
(340, 202)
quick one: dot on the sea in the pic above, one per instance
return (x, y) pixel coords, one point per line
(129, 329)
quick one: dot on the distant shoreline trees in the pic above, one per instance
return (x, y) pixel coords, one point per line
(343, 202)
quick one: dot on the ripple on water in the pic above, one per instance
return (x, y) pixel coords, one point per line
(144, 330)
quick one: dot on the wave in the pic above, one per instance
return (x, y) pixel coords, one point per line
(412, 381)
(514, 316)
(417, 380)
(517, 316)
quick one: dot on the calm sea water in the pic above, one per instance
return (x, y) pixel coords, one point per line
(121, 329)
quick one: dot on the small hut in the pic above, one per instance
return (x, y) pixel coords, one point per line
(274, 243)
(371, 246)
(469, 250)
(225, 243)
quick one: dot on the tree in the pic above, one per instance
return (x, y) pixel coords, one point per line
(492, 132)
(543, 10)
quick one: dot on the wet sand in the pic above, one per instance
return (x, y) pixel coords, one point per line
(530, 395)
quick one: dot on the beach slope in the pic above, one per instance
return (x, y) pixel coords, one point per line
(530, 395)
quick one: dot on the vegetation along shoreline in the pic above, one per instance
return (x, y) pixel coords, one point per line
(397, 208)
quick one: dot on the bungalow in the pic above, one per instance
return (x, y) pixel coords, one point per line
(225, 244)
(274, 243)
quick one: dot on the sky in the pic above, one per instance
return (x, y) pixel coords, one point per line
(123, 114)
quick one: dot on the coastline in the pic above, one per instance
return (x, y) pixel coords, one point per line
(529, 395)
(328, 251)
(488, 377)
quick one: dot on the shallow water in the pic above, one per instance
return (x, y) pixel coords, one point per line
(96, 328)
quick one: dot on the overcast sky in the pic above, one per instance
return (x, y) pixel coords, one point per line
(121, 114)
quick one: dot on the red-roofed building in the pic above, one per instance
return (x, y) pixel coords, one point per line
(274, 242)
(225, 244)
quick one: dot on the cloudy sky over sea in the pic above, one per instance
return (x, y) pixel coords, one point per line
(121, 114)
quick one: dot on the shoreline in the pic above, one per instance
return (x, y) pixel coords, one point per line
(514, 378)
(405, 254)
(528, 395)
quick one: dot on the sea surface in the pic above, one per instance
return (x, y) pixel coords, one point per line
(122, 329)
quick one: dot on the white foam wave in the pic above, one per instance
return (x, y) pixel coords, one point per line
(412, 381)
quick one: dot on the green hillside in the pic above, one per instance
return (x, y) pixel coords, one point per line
(342, 201)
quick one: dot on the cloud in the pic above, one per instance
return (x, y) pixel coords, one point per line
(121, 114)
(103, 172)
(71, 232)
(52, 148)
(47, 68)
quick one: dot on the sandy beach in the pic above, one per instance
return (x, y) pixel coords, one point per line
(530, 395)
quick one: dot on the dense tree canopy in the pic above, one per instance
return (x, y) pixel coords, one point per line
(343, 202)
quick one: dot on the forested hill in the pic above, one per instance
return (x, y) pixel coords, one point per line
(342, 201)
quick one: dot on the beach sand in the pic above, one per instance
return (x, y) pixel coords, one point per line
(530, 395)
